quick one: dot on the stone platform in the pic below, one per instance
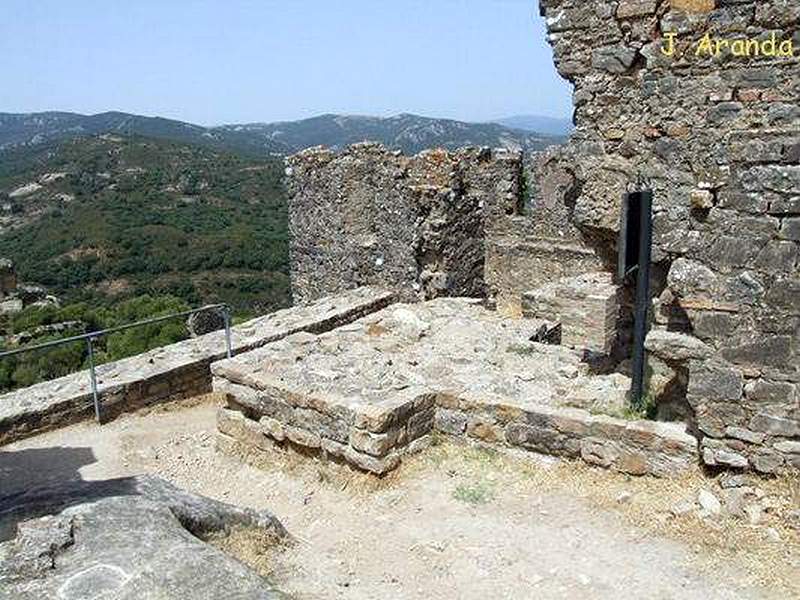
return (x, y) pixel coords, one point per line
(368, 392)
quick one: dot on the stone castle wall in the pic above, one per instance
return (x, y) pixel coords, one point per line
(371, 216)
(718, 139)
(538, 243)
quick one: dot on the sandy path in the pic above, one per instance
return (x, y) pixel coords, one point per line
(452, 523)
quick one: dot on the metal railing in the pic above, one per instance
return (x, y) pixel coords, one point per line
(94, 335)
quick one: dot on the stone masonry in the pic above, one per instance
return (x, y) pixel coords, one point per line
(715, 135)
(371, 216)
(534, 242)
(587, 306)
(370, 392)
(718, 139)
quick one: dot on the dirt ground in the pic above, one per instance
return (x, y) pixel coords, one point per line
(453, 522)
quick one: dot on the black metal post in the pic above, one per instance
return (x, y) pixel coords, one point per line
(645, 200)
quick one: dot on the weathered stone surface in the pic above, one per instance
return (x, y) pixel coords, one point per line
(614, 59)
(415, 225)
(635, 8)
(586, 306)
(709, 502)
(121, 538)
(714, 381)
(719, 453)
(788, 447)
(716, 139)
(374, 444)
(451, 421)
(473, 373)
(272, 428)
(766, 461)
(672, 346)
(236, 425)
(775, 425)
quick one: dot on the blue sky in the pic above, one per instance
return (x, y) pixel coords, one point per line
(212, 62)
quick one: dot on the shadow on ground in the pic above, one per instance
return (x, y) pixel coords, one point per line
(29, 478)
(25, 469)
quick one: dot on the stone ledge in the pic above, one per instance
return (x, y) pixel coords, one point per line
(173, 372)
(633, 447)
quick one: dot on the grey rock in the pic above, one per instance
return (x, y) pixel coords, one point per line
(614, 59)
(715, 381)
(732, 480)
(724, 457)
(787, 447)
(682, 507)
(672, 346)
(737, 501)
(708, 502)
(791, 229)
(451, 422)
(691, 278)
(775, 425)
(772, 535)
(766, 461)
(131, 538)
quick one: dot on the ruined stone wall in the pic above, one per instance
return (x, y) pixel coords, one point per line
(371, 216)
(718, 139)
(537, 243)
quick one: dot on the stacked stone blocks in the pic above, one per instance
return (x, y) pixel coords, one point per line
(377, 442)
(586, 306)
(370, 392)
(717, 139)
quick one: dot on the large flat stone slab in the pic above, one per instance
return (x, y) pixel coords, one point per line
(137, 537)
(372, 390)
(172, 372)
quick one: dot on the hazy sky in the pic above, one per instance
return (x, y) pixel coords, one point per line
(214, 62)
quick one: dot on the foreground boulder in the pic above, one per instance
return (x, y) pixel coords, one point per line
(137, 537)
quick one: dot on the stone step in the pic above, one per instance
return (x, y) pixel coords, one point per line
(587, 306)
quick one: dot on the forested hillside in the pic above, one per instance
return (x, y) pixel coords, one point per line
(103, 218)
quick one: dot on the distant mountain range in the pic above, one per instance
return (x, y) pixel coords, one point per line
(538, 124)
(410, 133)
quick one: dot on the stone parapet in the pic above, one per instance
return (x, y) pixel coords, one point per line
(414, 224)
(172, 372)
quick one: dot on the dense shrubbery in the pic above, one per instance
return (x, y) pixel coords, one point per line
(154, 217)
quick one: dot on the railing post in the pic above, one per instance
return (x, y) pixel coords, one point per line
(93, 378)
(227, 316)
